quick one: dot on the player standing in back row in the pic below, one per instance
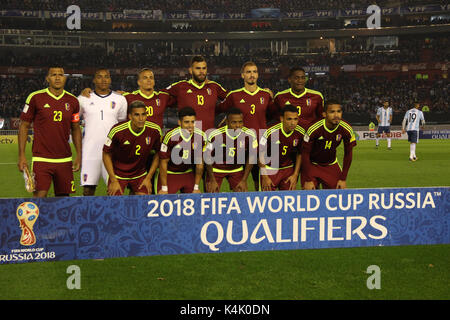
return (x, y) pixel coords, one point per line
(309, 103)
(55, 114)
(198, 93)
(103, 109)
(254, 102)
(412, 120)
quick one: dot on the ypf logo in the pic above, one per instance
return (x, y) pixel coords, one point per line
(27, 213)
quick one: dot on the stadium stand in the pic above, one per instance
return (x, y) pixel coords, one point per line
(357, 67)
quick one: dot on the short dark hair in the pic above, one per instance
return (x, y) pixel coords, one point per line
(143, 70)
(195, 59)
(134, 105)
(185, 112)
(330, 102)
(295, 69)
(54, 67)
(97, 70)
(234, 110)
(288, 108)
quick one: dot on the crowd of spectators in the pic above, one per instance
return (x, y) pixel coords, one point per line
(205, 5)
(159, 53)
(359, 96)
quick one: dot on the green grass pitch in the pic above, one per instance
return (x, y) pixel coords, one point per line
(407, 272)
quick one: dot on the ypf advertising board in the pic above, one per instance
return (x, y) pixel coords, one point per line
(73, 228)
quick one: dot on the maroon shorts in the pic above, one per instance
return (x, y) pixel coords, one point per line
(327, 176)
(132, 184)
(183, 182)
(279, 179)
(60, 174)
(233, 178)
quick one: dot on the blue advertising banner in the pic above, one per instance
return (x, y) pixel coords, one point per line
(434, 134)
(73, 228)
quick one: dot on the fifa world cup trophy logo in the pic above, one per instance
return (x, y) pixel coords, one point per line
(27, 213)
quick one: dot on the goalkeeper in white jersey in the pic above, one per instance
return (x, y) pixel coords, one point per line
(103, 109)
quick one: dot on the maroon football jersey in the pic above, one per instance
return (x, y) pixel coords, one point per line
(155, 104)
(252, 104)
(130, 150)
(288, 145)
(230, 152)
(202, 98)
(321, 143)
(309, 105)
(183, 150)
(52, 117)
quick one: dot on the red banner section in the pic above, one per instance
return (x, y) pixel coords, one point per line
(181, 72)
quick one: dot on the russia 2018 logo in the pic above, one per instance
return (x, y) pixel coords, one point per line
(27, 213)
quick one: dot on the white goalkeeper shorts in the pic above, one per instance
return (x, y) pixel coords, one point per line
(91, 171)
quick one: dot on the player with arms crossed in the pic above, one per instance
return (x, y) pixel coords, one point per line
(103, 109)
(126, 152)
(231, 153)
(309, 103)
(287, 136)
(412, 120)
(55, 114)
(384, 118)
(181, 156)
(199, 93)
(320, 165)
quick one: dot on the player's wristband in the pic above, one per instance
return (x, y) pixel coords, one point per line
(195, 187)
(164, 188)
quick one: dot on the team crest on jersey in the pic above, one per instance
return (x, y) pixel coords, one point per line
(261, 100)
(209, 91)
(241, 144)
(158, 102)
(67, 105)
(113, 104)
(338, 137)
(295, 143)
(147, 140)
(308, 102)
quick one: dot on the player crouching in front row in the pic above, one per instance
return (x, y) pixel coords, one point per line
(319, 162)
(181, 154)
(126, 152)
(280, 152)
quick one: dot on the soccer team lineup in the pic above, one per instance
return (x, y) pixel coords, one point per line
(284, 141)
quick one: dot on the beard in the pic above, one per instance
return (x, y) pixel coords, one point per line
(199, 79)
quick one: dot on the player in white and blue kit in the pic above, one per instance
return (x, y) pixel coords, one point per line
(411, 122)
(384, 118)
(103, 109)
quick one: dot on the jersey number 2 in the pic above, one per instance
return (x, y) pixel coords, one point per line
(138, 148)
